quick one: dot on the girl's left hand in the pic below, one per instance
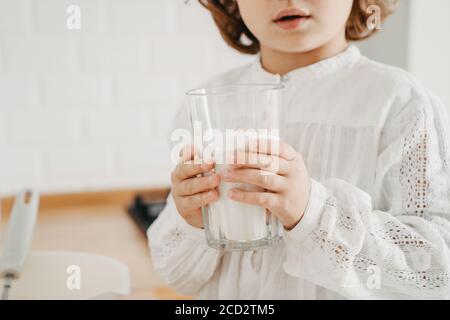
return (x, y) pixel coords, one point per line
(283, 175)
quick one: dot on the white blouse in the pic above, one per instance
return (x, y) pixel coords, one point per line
(378, 220)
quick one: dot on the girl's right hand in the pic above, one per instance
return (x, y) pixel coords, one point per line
(191, 191)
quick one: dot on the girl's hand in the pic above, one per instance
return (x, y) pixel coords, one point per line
(189, 191)
(282, 173)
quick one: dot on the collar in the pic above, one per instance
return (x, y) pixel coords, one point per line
(317, 70)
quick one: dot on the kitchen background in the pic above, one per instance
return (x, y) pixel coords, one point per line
(89, 109)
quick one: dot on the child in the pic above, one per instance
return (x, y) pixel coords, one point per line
(363, 190)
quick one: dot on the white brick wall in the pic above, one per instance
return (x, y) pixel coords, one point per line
(88, 109)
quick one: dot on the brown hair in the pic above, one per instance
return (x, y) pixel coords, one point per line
(234, 31)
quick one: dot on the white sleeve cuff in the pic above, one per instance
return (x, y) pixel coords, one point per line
(311, 217)
(191, 231)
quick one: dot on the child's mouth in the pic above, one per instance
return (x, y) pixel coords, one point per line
(290, 19)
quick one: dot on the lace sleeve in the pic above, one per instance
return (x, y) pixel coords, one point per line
(394, 244)
(180, 253)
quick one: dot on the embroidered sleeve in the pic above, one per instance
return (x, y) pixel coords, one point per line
(395, 243)
(180, 253)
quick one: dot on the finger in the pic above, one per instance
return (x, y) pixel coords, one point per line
(273, 147)
(255, 177)
(266, 200)
(199, 200)
(197, 185)
(268, 163)
(189, 170)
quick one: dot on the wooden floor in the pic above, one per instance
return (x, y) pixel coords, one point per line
(102, 228)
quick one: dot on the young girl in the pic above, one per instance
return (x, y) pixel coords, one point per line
(363, 190)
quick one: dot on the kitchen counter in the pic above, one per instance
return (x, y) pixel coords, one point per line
(101, 226)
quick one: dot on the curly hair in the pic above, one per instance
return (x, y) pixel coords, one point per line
(234, 31)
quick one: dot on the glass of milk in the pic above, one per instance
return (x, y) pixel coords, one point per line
(225, 121)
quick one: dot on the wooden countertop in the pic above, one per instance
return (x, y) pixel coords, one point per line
(98, 223)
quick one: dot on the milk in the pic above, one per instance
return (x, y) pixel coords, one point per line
(236, 221)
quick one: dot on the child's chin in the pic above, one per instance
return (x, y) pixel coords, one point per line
(295, 44)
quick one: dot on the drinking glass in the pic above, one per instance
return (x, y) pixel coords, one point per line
(226, 120)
